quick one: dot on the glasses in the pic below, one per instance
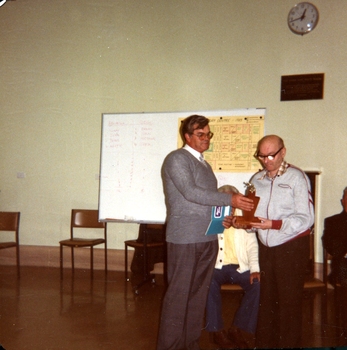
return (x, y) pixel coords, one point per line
(202, 135)
(269, 157)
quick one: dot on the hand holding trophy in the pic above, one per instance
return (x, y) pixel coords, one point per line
(248, 216)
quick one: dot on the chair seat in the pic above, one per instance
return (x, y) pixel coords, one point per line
(82, 242)
(135, 244)
(232, 287)
(4, 245)
(314, 284)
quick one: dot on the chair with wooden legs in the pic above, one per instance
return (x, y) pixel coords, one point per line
(84, 220)
(9, 222)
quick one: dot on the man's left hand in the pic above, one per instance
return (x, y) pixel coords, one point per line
(228, 221)
(253, 276)
(264, 224)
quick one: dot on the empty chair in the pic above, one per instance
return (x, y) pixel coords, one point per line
(84, 219)
(9, 221)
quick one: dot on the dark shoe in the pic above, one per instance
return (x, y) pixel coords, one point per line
(332, 279)
(240, 338)
(222, 340)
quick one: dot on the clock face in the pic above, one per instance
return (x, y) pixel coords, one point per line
(303, 18)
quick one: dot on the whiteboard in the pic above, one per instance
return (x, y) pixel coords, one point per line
(133, 148)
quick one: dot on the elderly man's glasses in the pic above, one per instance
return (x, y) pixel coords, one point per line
(269, 157)
(202, 135)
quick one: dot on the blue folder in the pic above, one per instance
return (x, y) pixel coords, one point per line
(217, 216)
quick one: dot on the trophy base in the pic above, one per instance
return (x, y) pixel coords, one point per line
(245, 223)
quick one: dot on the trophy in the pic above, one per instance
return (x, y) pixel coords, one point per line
(248, 216)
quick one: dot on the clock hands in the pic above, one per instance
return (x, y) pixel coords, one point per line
(293, 20)
(301, 17)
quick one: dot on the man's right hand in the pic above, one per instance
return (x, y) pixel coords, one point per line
(238, 200)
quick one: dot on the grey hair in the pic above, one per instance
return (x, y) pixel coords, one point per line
(228, 189)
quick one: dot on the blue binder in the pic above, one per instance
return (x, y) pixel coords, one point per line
(217, 216)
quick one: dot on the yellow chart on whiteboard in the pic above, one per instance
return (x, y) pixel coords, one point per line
(234, 143)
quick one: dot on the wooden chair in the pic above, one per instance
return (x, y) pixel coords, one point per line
(151, 236)
(9, 221)
(316, 287)
(235, 288)
(84, 219)
(313, 283)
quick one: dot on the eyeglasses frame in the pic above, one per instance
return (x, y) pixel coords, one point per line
(202, 135)
(269, 157)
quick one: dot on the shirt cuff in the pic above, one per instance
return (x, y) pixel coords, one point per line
(276, 224)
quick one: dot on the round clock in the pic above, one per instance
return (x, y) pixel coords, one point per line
(303, 18)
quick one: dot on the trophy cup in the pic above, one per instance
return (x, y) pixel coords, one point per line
(248, 216)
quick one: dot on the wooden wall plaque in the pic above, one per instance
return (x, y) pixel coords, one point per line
(302, 87)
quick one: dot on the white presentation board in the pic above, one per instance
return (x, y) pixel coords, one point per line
(133, 148)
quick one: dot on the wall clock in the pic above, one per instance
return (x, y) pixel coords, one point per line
(303, 18)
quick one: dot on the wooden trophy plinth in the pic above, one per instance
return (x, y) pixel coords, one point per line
(248, 216)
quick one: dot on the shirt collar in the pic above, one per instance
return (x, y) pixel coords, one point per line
(194, 152)
(282, 169)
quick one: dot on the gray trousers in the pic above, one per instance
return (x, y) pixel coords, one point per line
(189, 272)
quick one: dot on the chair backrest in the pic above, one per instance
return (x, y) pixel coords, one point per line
(154, 233)
(86, 218)
(9, 221)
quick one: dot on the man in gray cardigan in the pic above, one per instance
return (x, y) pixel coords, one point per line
(190, 188)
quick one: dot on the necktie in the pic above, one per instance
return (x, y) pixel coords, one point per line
(201, 158)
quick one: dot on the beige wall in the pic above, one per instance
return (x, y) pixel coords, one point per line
(64, 63)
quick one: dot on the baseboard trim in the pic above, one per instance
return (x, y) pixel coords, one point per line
(47, 256)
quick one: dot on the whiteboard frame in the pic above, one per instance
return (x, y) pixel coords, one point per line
(106, 212)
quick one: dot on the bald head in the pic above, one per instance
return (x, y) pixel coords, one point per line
(273, 139)
(270, 153)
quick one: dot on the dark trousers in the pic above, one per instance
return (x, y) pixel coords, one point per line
(247, 314)
(189, 272)
(281, 291)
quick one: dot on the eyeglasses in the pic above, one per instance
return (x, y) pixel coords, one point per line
(269, 157)
(202, 135)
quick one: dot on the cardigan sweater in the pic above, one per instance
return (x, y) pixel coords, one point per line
(190, 189)
(246, 248)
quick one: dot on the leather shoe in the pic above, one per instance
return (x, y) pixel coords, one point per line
(240, 338)
(221, 339)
